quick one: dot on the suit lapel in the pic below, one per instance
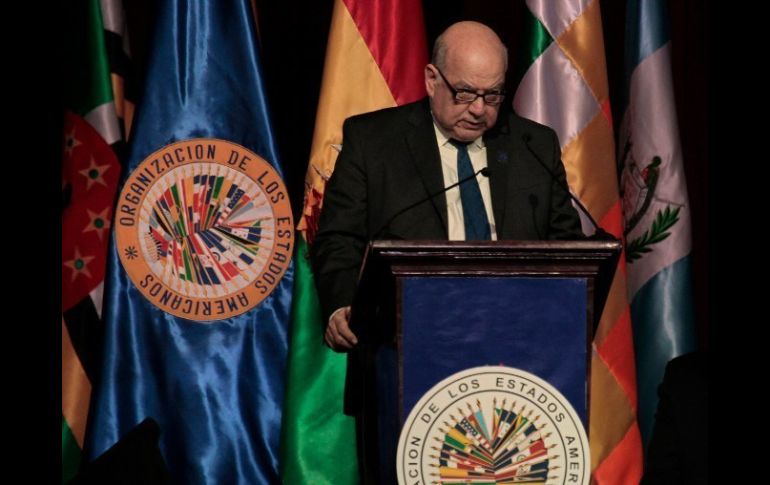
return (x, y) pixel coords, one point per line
(497, 141)
(421, 140)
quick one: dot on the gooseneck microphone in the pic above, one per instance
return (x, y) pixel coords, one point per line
(533, 203)
(599, 233)
(486, 171)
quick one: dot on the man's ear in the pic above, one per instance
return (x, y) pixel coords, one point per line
(430, 79)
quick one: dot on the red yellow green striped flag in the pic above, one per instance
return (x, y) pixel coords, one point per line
(375, 58)
(565, 87)
(96, 120)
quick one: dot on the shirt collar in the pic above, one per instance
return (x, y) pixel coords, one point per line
(443, 140)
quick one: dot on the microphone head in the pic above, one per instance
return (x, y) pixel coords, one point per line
(526, 137)
(486, 171)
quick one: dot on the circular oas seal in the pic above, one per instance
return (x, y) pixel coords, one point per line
(204, 229)
(493, 424)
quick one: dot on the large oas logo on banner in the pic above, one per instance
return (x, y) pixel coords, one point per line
(204, 229)
(490, 425)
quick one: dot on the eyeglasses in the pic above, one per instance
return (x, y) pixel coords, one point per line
(466, 96)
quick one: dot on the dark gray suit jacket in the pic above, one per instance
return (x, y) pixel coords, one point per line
(390, 159)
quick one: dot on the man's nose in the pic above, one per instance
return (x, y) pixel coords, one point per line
(477, 106)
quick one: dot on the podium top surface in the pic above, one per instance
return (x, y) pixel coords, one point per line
(602, 252)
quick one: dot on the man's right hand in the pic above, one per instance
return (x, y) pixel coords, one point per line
(338, 335)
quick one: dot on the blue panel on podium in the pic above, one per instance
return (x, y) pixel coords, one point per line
(535, 324)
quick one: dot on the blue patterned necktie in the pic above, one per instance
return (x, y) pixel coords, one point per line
(474, 213)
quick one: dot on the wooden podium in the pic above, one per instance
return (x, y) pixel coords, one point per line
(425, 310)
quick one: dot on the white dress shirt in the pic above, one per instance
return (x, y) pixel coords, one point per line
(478, 154)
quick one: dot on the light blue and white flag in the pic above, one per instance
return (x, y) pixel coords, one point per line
(655, 206)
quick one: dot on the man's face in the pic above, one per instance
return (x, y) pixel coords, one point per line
(465, 121)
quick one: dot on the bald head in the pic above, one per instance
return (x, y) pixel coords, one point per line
(467, 39)
(468, 60)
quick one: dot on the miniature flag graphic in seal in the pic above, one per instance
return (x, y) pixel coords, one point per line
(204, 229)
